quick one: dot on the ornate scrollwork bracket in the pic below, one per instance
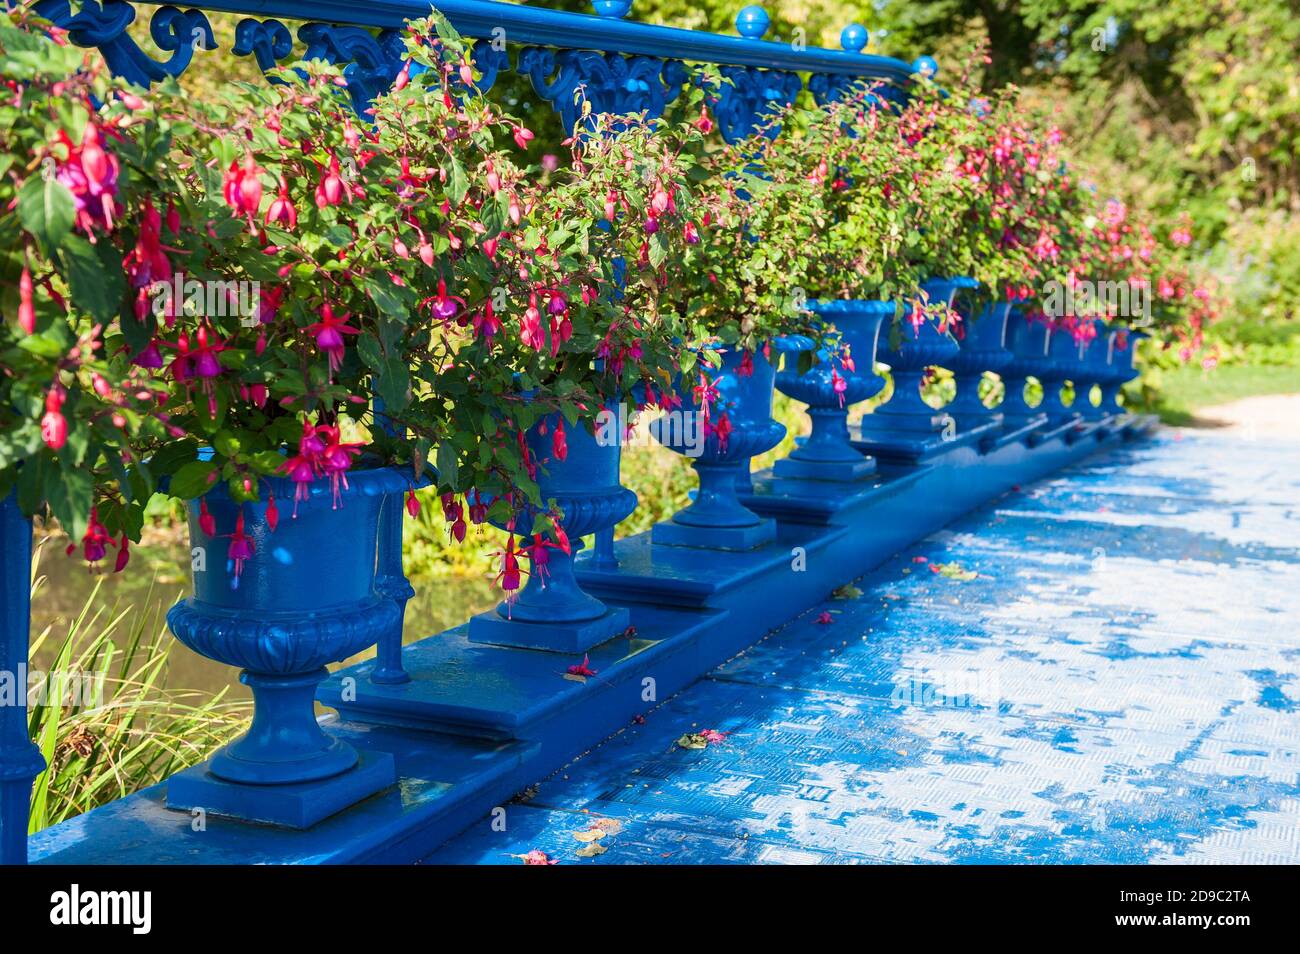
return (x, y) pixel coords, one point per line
(104, 25)
(610, 82)
(752, 95)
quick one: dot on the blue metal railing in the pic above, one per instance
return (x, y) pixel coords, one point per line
(622, 65)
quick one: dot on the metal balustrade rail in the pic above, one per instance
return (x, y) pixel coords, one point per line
(623, 67)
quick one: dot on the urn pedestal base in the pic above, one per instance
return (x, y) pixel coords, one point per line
(833, 471)
(300, 805)
(675, 534)
(493, 629)
(917, 445)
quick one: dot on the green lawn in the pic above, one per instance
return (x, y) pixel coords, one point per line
(1182, 391)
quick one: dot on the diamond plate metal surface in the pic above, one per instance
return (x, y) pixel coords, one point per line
(1120, 684)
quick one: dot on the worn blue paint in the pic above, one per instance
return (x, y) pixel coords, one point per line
(826, 453)
(696, 590)
(503, 718)
(278, 623)
(552, 611)
(1081, 701)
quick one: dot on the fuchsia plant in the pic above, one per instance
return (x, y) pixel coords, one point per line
(273, 286)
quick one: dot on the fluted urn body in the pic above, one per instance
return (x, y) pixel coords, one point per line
(909, 352)
(1093, 368)
(282, 603)
(983, 347)
(1027, 342)
(1064, 360)
(725, 418)
(831, 387)
(585, 486)
(1120, 369)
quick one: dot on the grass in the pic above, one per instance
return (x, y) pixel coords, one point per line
(101, 717)
(1181, 392)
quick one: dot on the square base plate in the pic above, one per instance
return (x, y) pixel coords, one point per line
(714, 538)
(495, 630)
(290, 806)
(835, 471)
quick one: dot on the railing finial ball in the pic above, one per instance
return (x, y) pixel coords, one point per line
(752, 22)
(615, 9)
(854, 37)
(927, 66)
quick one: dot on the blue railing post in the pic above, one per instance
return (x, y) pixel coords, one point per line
(390, 575)
(20, 760)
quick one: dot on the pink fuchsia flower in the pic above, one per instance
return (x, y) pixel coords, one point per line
(282, 209)
(531, 330)
(582, 669)
(147, 263)
(272, 513)
(839, 385)
(336, 459)
(242, 186)
(705, 394)
(123, 554)
(240, 550)
(522, 137)
(485, 323)
(412, 503)
(149, 357)
(445, 307)
(721, 430)
(207, 522)
(508, 577)
(559, 443)
(90, 174)
(95, 541)
(54, 426)
(824, 618)
(329, 332)
(26, 306)
(537, 555)
(332, 189)
(536, 857)
(713, 736)
(550, 162)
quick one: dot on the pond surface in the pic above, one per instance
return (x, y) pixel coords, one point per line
(159, 575)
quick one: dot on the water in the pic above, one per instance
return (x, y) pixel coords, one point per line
(159, 575)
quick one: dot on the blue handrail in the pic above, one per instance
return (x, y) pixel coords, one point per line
(623, 66)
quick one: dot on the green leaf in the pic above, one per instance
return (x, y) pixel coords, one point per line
(448, 465)
(192, 480)
(47, 210)
(95, 276)
(459, 183)
(70, 494)
(392, 383)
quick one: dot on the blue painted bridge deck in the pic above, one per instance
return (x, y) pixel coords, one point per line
(1120, 683)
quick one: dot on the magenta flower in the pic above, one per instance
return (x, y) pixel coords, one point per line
(329, 332)
(240, 549)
